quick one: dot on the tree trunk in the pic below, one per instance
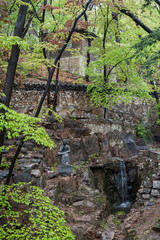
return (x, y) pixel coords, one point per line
(88, 53)
(56, 88)
(12, 65)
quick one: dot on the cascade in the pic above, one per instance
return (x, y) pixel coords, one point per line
(124, 192)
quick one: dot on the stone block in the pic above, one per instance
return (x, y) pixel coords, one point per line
(36, 160)
(3, 173)
(146, 196)
(141, 190)
(154, 155)
(155, 193)
(24, 176)
(22, 160)
(65, 170)
(39, 156)
(28, 145)
(156, 184)
(91, 145)
(146, 190)
(50, 174)
(130, 144)
(147, 183)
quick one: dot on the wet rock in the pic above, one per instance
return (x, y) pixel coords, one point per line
(62, 133)
(77, 151)
(24, 176)
(130, 144)
(51, 174)
(20, 161)
(24, 150)
(28, 145)
(147, 183)
(156, 184)
(83, 231)
(155, 193)
(146, 196)
(146, 190)
(32, 165)
(79, 132)
(154, 154)
(36, 181)
(36, 160)
(108, 234)
(3, 173)
(141, 145)
(91, 145)
(39, 156)
(36, 173)
(88, 178)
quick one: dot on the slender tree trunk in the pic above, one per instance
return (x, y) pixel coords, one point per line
(12, 65)
(88, 53)
(56, 88)
(11, 70)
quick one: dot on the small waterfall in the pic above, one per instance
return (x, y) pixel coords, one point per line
(124, 190)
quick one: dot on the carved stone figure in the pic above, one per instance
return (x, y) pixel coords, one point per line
(65, 169)
(64, 152)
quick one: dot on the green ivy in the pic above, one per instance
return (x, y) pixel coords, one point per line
(26, 214)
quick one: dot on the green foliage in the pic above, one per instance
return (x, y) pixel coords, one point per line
(124, 80)
(26, 214)
(143, 131)
(17, 124)
(45, 111)
(4, 164)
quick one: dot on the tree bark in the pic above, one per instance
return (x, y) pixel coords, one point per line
(11, 70)
(88, 53)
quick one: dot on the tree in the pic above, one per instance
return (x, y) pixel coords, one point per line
(26, 214)
(65, 41)
(115, 77)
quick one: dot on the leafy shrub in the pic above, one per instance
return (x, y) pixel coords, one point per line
(143, 132)
(26, 214)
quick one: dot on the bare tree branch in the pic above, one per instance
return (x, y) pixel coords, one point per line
(135, 19)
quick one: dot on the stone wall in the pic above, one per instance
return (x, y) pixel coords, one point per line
(75, 105)
(149, 171)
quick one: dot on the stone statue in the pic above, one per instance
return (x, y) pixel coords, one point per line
(64, 152)
(65, 169)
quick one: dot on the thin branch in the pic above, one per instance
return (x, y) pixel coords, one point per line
(158, 2)
(27, 26)
(116, 65)
(135, 19)
(35, 12)
(12, 7)
(157, 8)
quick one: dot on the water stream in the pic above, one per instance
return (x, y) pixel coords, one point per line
(124, 192)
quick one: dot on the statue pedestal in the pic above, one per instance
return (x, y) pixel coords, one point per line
(65, 170)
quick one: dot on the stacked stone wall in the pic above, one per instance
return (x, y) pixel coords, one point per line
(73, 103)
